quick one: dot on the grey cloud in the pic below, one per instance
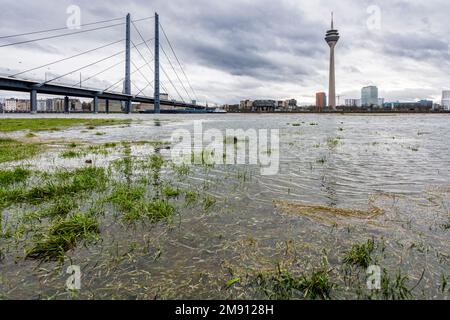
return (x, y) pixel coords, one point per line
(260, 45)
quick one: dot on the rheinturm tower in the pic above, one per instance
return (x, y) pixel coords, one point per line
(332, 37)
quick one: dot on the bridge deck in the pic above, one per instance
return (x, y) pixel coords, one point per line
(20, 85)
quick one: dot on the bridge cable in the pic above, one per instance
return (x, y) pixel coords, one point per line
(145, 60)
(89, 65)
(60, 35)
(123, 79)
(66, 28)
(176, 73)
(65, 59)
(98, 73)
(84, 67)
(162, 68)
(57, 29)
(148, 85)
(176, 57)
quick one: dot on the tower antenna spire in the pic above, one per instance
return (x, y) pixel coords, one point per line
(332, 18)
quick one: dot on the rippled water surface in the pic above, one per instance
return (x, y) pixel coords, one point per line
(396, 164)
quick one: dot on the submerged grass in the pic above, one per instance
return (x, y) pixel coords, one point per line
(154, 210)
(396, 288)
(61, 207)
(283, 285)
(63, 236)
(360, 254)
(14, 150)
(69, 154)
(17, 175)
(126, 197)
(45, 124)
(59, 184)
(170, 192)
(132, 202)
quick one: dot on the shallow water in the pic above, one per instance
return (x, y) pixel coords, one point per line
(399, 164)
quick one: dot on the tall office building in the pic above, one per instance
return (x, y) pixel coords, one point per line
(369, 96)
(446, 99)
(332, 37)
(321, 101)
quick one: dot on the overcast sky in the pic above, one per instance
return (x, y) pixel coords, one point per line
(237, 49)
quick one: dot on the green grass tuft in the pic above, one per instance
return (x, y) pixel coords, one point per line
(63, 236)
(14, 150)
(170, 192)
(360, 254)
(285, 286)
(53, 124)
(17, 175)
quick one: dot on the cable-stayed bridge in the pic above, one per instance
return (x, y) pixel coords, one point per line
(136, 58)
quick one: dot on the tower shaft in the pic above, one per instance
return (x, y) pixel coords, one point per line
(332, 83)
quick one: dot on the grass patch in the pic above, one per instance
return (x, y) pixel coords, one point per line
(181, 170)
(360, 254)
(62, 183)
(14, 150)
(232, 140)
(110, 145)
(63, 236)
(208, 202)
(70, 154)
(158, 210)
(282, 285)
(332, 143)
(126, 197)
(396, 288)
(170, 192)
(156, 162)
(49, 124)
(10, 177)
(61, 207)
(190, 196)
(155, 210)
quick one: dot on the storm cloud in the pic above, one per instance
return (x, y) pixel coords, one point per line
(233, 50)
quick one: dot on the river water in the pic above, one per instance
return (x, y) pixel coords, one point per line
(398, 164)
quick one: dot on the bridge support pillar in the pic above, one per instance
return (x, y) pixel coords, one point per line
(157, 102)
(33, 101)
(130, 107)
(66, 105)
(107, 105)
(127, 83)
(95, 103)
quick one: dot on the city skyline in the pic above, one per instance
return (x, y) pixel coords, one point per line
(232, 59)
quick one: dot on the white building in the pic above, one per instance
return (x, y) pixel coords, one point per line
(446, 99)
(10, 105)
(353, 102)
(42, 105)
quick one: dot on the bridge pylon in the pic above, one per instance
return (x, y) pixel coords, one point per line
(127, 82)
(157, 102)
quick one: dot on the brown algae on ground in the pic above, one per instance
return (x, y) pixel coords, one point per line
(324, 214)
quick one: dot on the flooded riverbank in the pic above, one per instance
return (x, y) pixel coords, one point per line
(351, 191)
